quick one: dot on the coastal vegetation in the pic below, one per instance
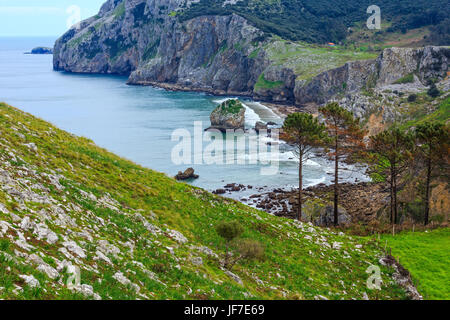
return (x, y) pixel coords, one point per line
(135, 233)
(393, 149)
(262, 83)
(414, 158)
(306, 133)
(321, 21)
(425, 255)
(346, 142)
(78, 222)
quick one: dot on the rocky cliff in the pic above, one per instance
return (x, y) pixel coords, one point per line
(228, 115)
(428, 63)
(225, 54)
(146, 40)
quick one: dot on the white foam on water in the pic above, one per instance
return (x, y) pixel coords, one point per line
(311, 163)
(314, 182)
(251, 117)
(268, 113)
(220, 101)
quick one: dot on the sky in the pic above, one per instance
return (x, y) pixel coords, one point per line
(43, 18)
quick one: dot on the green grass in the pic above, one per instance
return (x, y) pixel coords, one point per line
(427, 256)
(76, 41)
(119, 12)
(232, 106)
(441, 114)
(309, 60)
(299, 261)
(262, 83)
(409, 78)
(254, 53)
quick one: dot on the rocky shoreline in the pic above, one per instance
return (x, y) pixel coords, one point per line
(184, 88)
(359, 202)
(280, 109)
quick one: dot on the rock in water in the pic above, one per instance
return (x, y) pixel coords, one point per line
(188, 174)
(260, 126)
(228, 115)
(41, 50)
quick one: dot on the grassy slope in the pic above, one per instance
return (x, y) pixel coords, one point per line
(420, 115)
(295, 266)
(427, 256)
(308, 60)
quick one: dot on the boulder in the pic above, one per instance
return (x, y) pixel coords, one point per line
(228, 115)
(186, 175)
(219, 191)
(321, 214)
(326, 217)
(260, 126)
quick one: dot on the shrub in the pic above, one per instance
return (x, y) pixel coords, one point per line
(229, 230)
(250, 249)
(412, 97)
(433, 91)
(409, 78)
(244, 249)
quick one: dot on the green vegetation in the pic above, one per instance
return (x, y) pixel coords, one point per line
(308, 60)
(230, 106)
(151, 50)
(304, 132)
(441, 114)
(406, 79)
(118, 46)
(244, 249)
(159, 227)
(119, 12)
(433, 91)
(426, 256)
(262, 83)
(254, 53)
(394, 150)
(321, 21)
(433, 139)
(345, 140)
(76, 41)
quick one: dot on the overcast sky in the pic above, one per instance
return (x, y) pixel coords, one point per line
(34, 18)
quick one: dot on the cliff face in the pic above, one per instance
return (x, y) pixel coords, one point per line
(429, 63)
(224, 55)
(145, 39)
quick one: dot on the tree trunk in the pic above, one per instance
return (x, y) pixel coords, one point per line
(392, 197)
(226, 256)
(336, 185)
(427, 192)
(395, 198)
(300, 187)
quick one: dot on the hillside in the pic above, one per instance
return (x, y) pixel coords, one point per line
(425, 255)
(321, 21)
(137, 234)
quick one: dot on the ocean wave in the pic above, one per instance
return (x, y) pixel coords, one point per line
(314, 182)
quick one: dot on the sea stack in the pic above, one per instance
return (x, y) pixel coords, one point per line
(228, 115)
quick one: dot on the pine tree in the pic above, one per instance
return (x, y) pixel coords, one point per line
(394, 149)
(433, 141)
(306, 133)
(346, 141)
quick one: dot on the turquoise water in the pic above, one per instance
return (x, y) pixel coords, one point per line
(133, 122)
